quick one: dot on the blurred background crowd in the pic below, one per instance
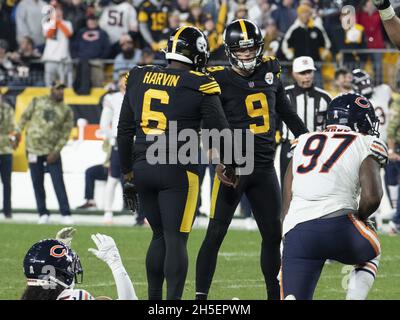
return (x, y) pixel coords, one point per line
(86, 43)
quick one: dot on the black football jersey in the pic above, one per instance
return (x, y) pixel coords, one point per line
(157, 95)
(155, 17)
(253, 102)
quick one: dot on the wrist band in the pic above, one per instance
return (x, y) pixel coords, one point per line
(387, 13)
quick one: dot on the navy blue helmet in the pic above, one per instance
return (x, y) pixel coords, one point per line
(354, 111)
(52, 262)
(362, 83)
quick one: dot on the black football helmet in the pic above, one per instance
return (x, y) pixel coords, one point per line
(354, 111)
(188, 45)
(362, 83)
(48, 255)
(242, 34)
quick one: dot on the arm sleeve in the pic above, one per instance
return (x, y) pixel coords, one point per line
(212, 113)
(126, 132)
(65, 28)
(22, 28)
(26, 116)
(65, 131)
(124, 285)
(288, 114)
(145, 32)
(223, 11)
(133, 24)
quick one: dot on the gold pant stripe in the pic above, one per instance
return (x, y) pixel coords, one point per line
(214, 196)
(191, 202)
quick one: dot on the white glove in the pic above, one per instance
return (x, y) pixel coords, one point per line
(106, 250)
(65, 235)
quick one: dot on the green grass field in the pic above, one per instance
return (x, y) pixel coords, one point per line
(238, 273)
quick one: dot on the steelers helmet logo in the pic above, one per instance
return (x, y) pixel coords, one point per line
(201, 44)
(269, 78)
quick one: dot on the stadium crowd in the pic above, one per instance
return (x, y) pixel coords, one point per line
(74, 42)
(41, 41)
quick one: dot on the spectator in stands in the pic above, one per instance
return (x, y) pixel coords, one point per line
(232, 8)
(273, 40)
(369, 18)
(7, 23)
(147, 57)
(29, 71)
(56, 55)
(128, 58)
(153, 19)
(29, 17)
(352, 38)
(75, 11)
(196, 17)
(98, 172)
(260, 14)
(174, 22)
(303, 38)
(214, 33)
(241, 12)
(343, 81)
(6, 66)
(183, 7)
(8, 142)
(285, 15)
(92, 43)
(48, 121)
(117, 19)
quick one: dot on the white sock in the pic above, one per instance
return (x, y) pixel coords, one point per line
(110, 192)
(361, 280)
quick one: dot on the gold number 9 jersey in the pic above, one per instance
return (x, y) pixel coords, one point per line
(252, 103)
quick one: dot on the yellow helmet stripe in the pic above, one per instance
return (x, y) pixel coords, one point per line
(244, 29)
(175, 41)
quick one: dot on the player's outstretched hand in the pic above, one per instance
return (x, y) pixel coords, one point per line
(107, 250)
(65, 235)
(381, 4)
(131, 197)
(226, 174)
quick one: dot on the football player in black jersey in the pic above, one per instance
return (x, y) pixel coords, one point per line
(251, 94)
(156, 96)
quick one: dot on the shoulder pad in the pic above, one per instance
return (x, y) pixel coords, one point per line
(197, 73)
(272, 65)
(379, 150)
(215, 69)
(202, 82)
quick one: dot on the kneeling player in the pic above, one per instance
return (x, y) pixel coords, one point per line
(52, 269)
(323, 219)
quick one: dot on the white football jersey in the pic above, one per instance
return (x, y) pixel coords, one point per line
(109, 119)
(75, 294)
(380, 100)
(118, 19)
(326, 172)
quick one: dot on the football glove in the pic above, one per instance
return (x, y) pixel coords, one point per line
(131, 197)
(106, 251)
(381, 4)
(65, 235)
